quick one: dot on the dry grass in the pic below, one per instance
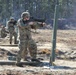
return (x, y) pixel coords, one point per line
(9, 72)
(44, 51)
(66, 41)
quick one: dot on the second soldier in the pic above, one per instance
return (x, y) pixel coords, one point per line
(11, 28)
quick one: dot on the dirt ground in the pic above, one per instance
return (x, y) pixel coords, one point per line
(65, 61)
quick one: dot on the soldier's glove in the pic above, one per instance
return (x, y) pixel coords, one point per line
(33, 26)
(41, 24)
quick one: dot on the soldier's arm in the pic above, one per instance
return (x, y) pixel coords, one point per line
(8, 25)
(35, 25)
(19, 24)
(6, 31)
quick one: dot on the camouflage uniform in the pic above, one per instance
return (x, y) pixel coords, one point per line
(25, 40)
(3, 32)
(12, 31)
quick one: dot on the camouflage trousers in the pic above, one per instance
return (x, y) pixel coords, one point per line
(15, 37)
(25, 46)
(3, 35)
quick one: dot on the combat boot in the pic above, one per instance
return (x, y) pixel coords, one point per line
(18, 62)
(15, 42)
(10, 42)
(35, 60)
(27, 59)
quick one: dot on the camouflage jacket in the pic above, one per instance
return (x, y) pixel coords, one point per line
(11, 26)
(24, 29)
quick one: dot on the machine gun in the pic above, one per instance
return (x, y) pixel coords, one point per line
(37, 19)
(33, 26)
(32, 19)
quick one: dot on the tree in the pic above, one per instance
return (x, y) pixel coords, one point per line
(37, 8)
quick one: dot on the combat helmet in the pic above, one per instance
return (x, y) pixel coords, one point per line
(11, 18)
(25, 14)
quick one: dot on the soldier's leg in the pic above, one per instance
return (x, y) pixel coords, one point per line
(2, 35)
(15, 38)
(11, 38)
(25, 52)
(32, 48)
(21, 50)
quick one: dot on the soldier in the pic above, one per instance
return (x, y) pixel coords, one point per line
(25, 39)
(3, 32)
(11, 28)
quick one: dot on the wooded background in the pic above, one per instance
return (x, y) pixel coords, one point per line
(37, 9)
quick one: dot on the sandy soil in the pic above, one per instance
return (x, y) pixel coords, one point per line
(65, 62)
